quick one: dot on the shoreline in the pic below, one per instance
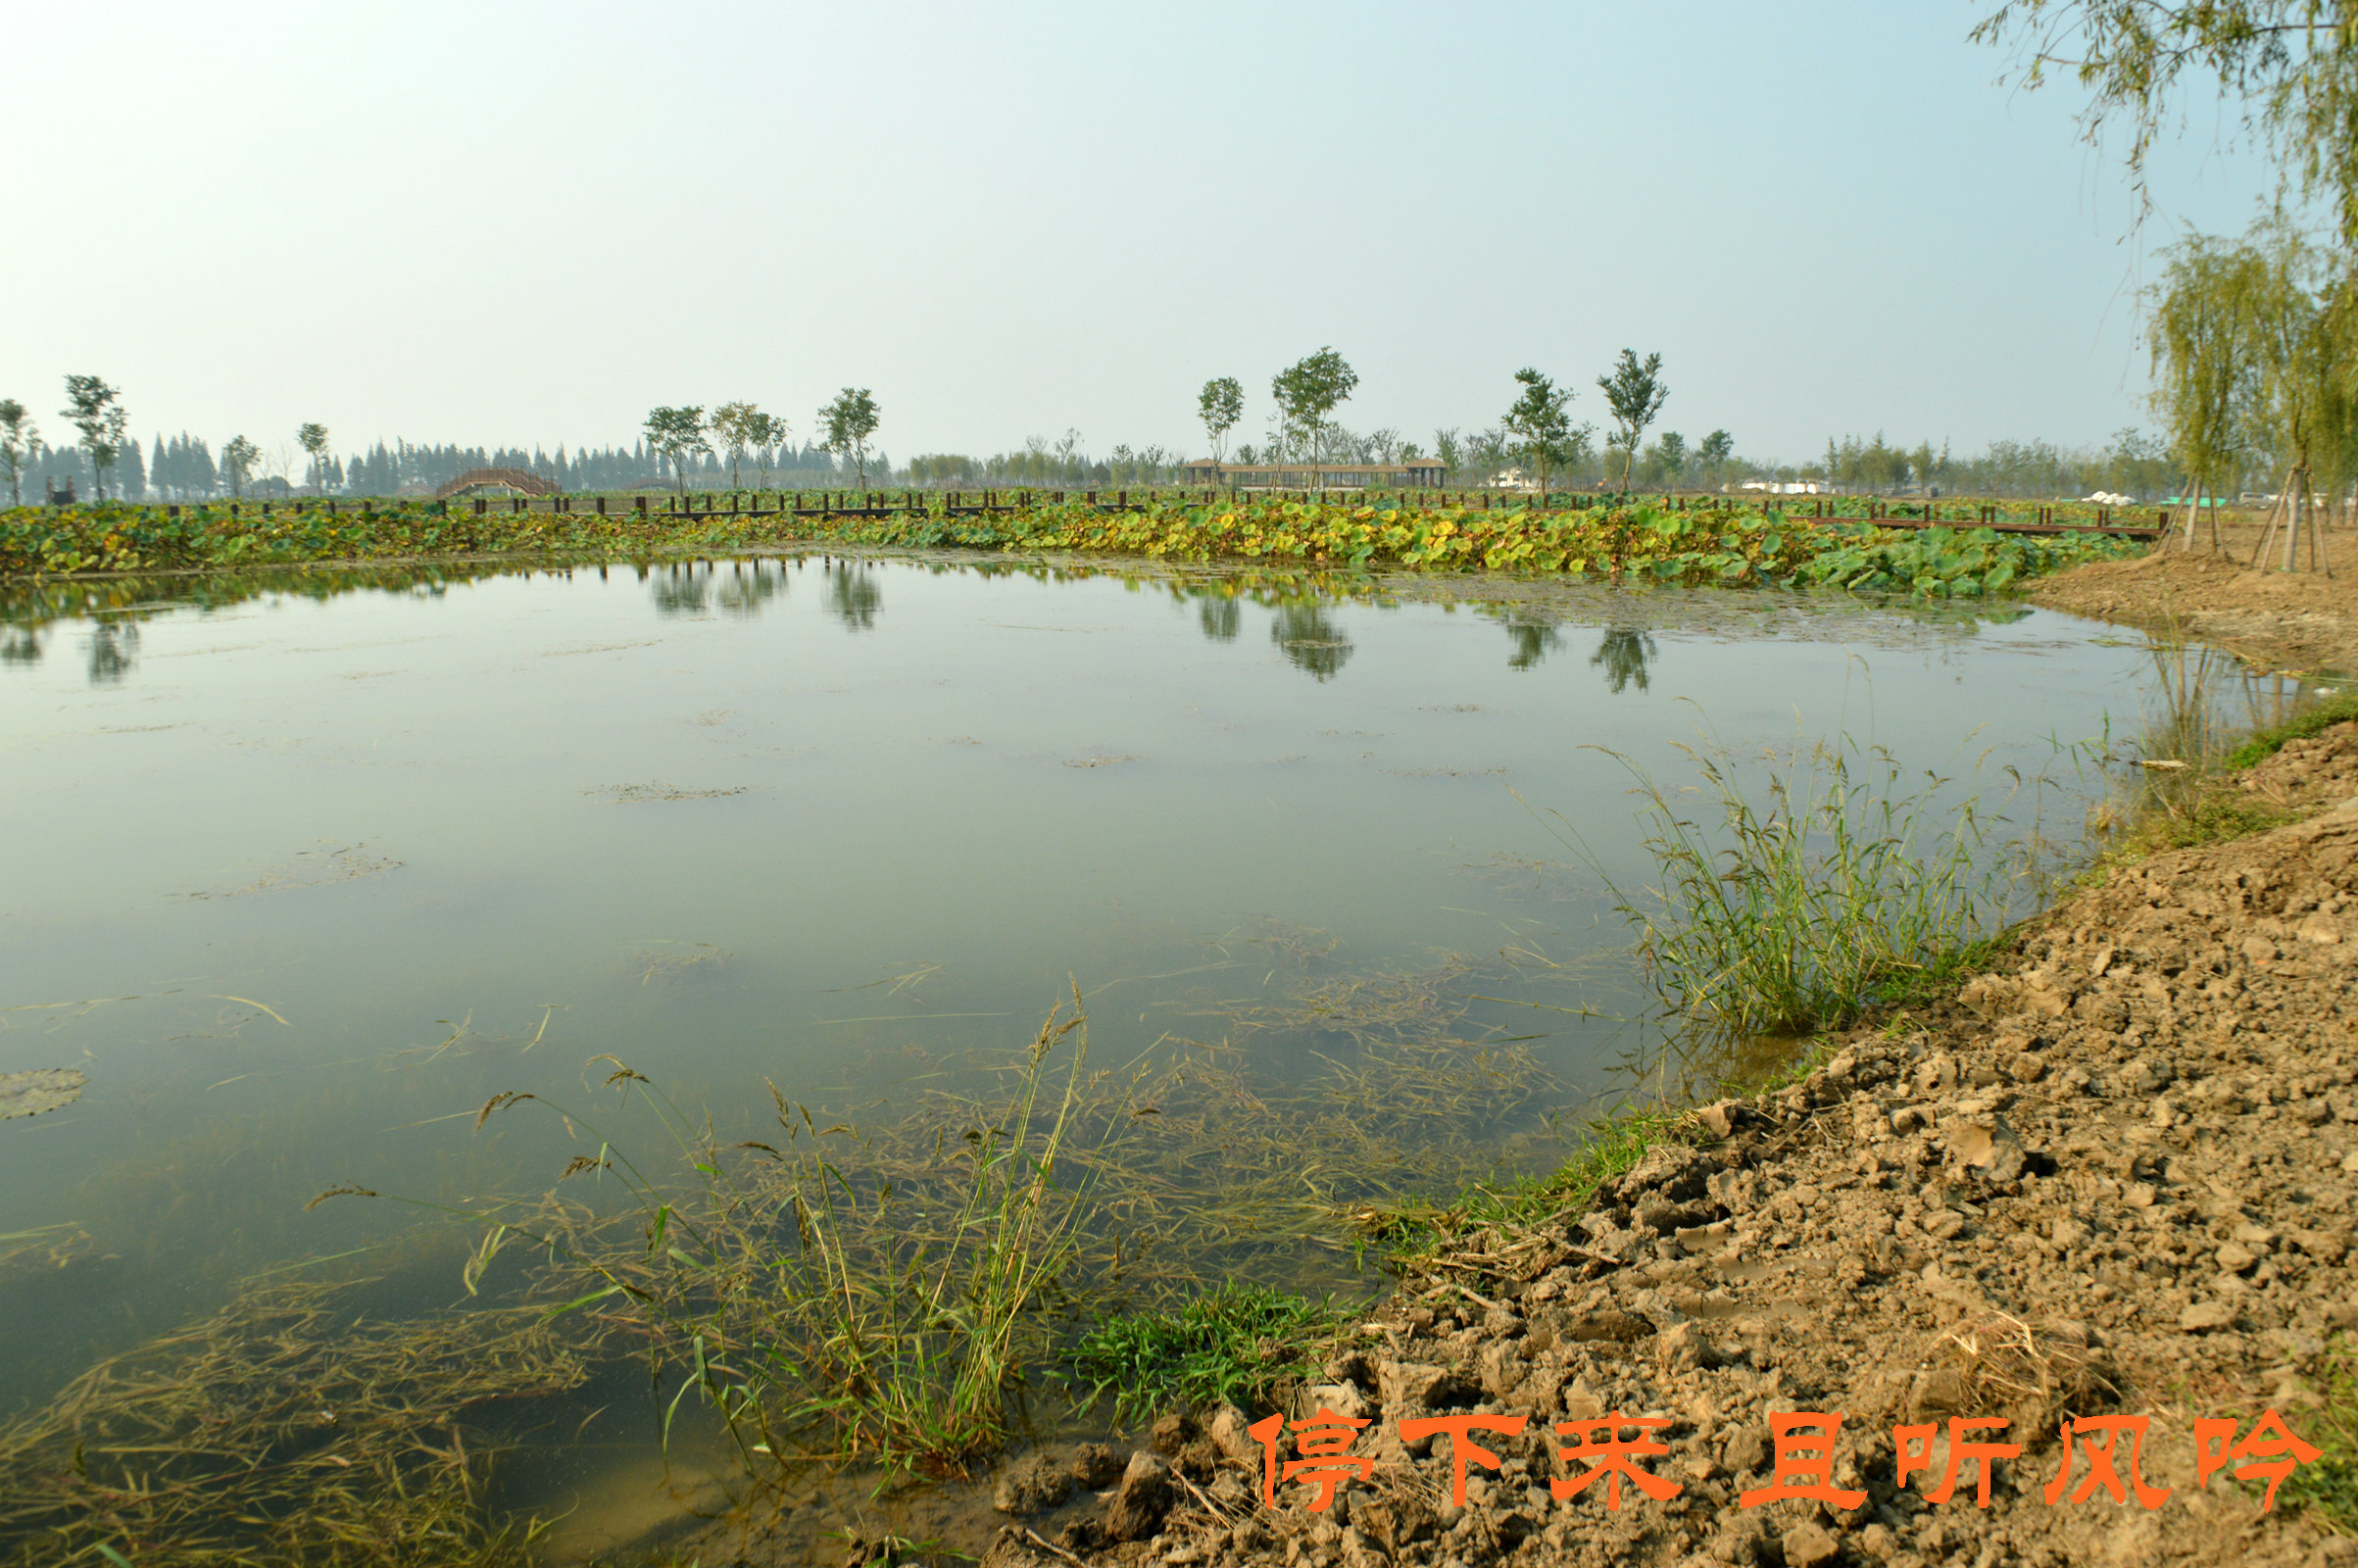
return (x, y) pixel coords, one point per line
(2115, 1172)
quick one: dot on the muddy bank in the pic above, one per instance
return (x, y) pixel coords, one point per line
(2113, 1176)
(2298, 620)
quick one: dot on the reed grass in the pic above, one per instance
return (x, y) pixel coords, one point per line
(1784, 906)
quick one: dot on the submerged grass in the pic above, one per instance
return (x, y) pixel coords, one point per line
(290, 1430)
(820, 1311)
(895, 1293)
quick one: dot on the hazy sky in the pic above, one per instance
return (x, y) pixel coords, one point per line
(527, 224)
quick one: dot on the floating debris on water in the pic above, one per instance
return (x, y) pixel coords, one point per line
(29, 1094)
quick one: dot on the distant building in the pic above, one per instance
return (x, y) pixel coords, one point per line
(1787, 487)
(1423, 474)
(497, 483)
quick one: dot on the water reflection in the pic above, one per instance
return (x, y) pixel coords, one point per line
(1220, 616)
(679, 591)
(1623, 654)
(20, 645)
(114, 649)
(750, 586)
(853, 595)
(1534, 637)
(1311, 643)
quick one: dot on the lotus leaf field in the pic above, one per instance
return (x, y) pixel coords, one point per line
(1701, 546)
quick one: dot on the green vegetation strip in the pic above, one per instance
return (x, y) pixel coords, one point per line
(1234, 1344)
(2316, 722)
(1715, 544)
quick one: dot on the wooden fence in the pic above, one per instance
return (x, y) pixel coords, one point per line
(702, 506)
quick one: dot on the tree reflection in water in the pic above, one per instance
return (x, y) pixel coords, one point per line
(680, 591)
(750, 587)
(20, 645)
(1221, 617)
(1623, 654)
(1311, 643)
(114, 649)
(853, 595)
(1534, 639)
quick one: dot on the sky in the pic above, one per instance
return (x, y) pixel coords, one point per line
(520, 224)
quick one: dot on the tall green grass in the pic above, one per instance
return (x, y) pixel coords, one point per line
(1790, 895)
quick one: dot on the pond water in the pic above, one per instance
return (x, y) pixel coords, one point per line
(298, 876)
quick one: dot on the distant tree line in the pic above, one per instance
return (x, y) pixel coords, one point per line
(1533, 442)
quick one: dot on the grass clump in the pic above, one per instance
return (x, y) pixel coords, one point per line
(1233, 1346)
(2329, 1484)
(1786, 907)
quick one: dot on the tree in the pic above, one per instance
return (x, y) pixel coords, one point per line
(1310, 390)
(2289, 65)
(96, 410)
(239, 457)
(1448, 449)
(849, 421)
(19, 436)
(1635, 394)
(1717, 448)
(2296, 338)
(677, 434)
(1541, 418)
(313, 438)
(2203, 391)
(1671, 450)
(738, 426)
(1221, 406)
(766, 433)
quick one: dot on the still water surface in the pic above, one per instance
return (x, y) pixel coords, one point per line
(299, 881)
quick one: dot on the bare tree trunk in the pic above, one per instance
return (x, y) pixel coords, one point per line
(2259, 553)
(2292, 528)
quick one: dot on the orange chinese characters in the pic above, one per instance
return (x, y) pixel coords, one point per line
(1915, 1450)
(2281, 1452)
(1462, 1446)
(2103, 1462)
(1606, 1455)
(1324, 1443)
(1804, 1466)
